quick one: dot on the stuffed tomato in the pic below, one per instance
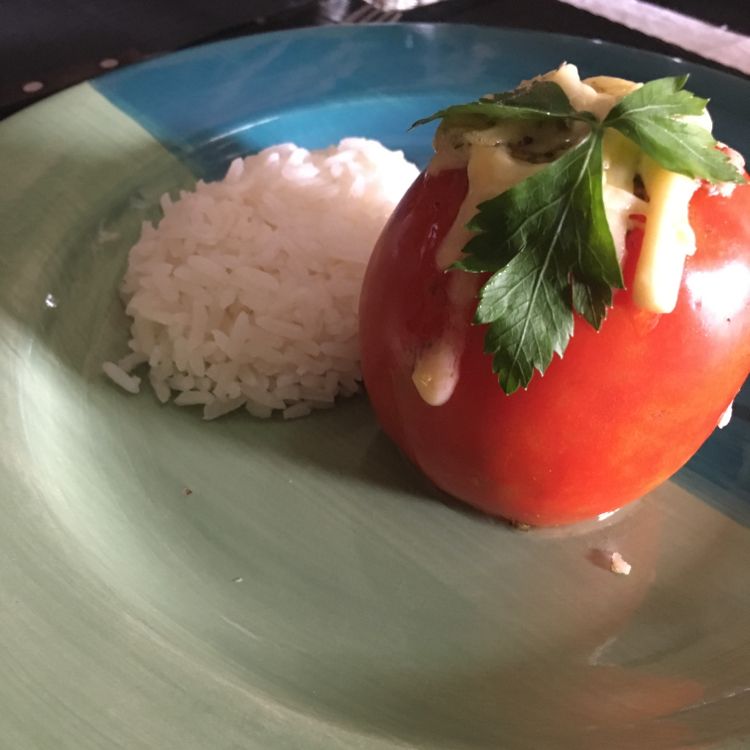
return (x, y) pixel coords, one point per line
(554, 368)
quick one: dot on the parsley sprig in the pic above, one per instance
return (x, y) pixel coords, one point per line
(546, 241)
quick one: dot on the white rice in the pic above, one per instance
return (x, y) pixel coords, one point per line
(246, 293)
(619, 565)
(131, 383)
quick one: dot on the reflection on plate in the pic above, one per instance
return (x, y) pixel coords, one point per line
(167, 583)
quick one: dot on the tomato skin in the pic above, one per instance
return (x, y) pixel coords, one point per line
(623, 410)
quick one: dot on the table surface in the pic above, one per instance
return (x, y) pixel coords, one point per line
(48, 45)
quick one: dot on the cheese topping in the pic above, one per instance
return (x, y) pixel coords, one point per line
(436, 373)
(500, 157)
(491, 171)
(493, 167)
(436, 370)
(668, 238)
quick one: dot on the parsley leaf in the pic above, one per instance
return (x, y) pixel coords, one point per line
(546, 241)
(649, 117)
(541, 101)
(543, 258)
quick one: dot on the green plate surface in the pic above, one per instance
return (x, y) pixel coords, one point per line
(169, 583)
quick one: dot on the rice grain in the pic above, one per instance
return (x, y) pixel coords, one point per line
(246, 293)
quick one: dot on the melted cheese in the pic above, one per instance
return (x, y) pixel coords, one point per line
(435, 374)
(596, 95)
(620, 162)
(436, 370)
(491, 171)
(668, 238)
(493, 167)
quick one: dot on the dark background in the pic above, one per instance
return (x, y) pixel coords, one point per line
(62, 42)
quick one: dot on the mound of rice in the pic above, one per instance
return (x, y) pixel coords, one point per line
(246, 292)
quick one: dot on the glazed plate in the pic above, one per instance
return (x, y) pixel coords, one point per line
(170, 583)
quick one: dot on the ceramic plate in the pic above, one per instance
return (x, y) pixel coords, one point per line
(169, 583)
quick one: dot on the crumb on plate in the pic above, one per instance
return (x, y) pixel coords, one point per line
(618, 565)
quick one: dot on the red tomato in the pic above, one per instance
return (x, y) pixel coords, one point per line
(622, 410)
